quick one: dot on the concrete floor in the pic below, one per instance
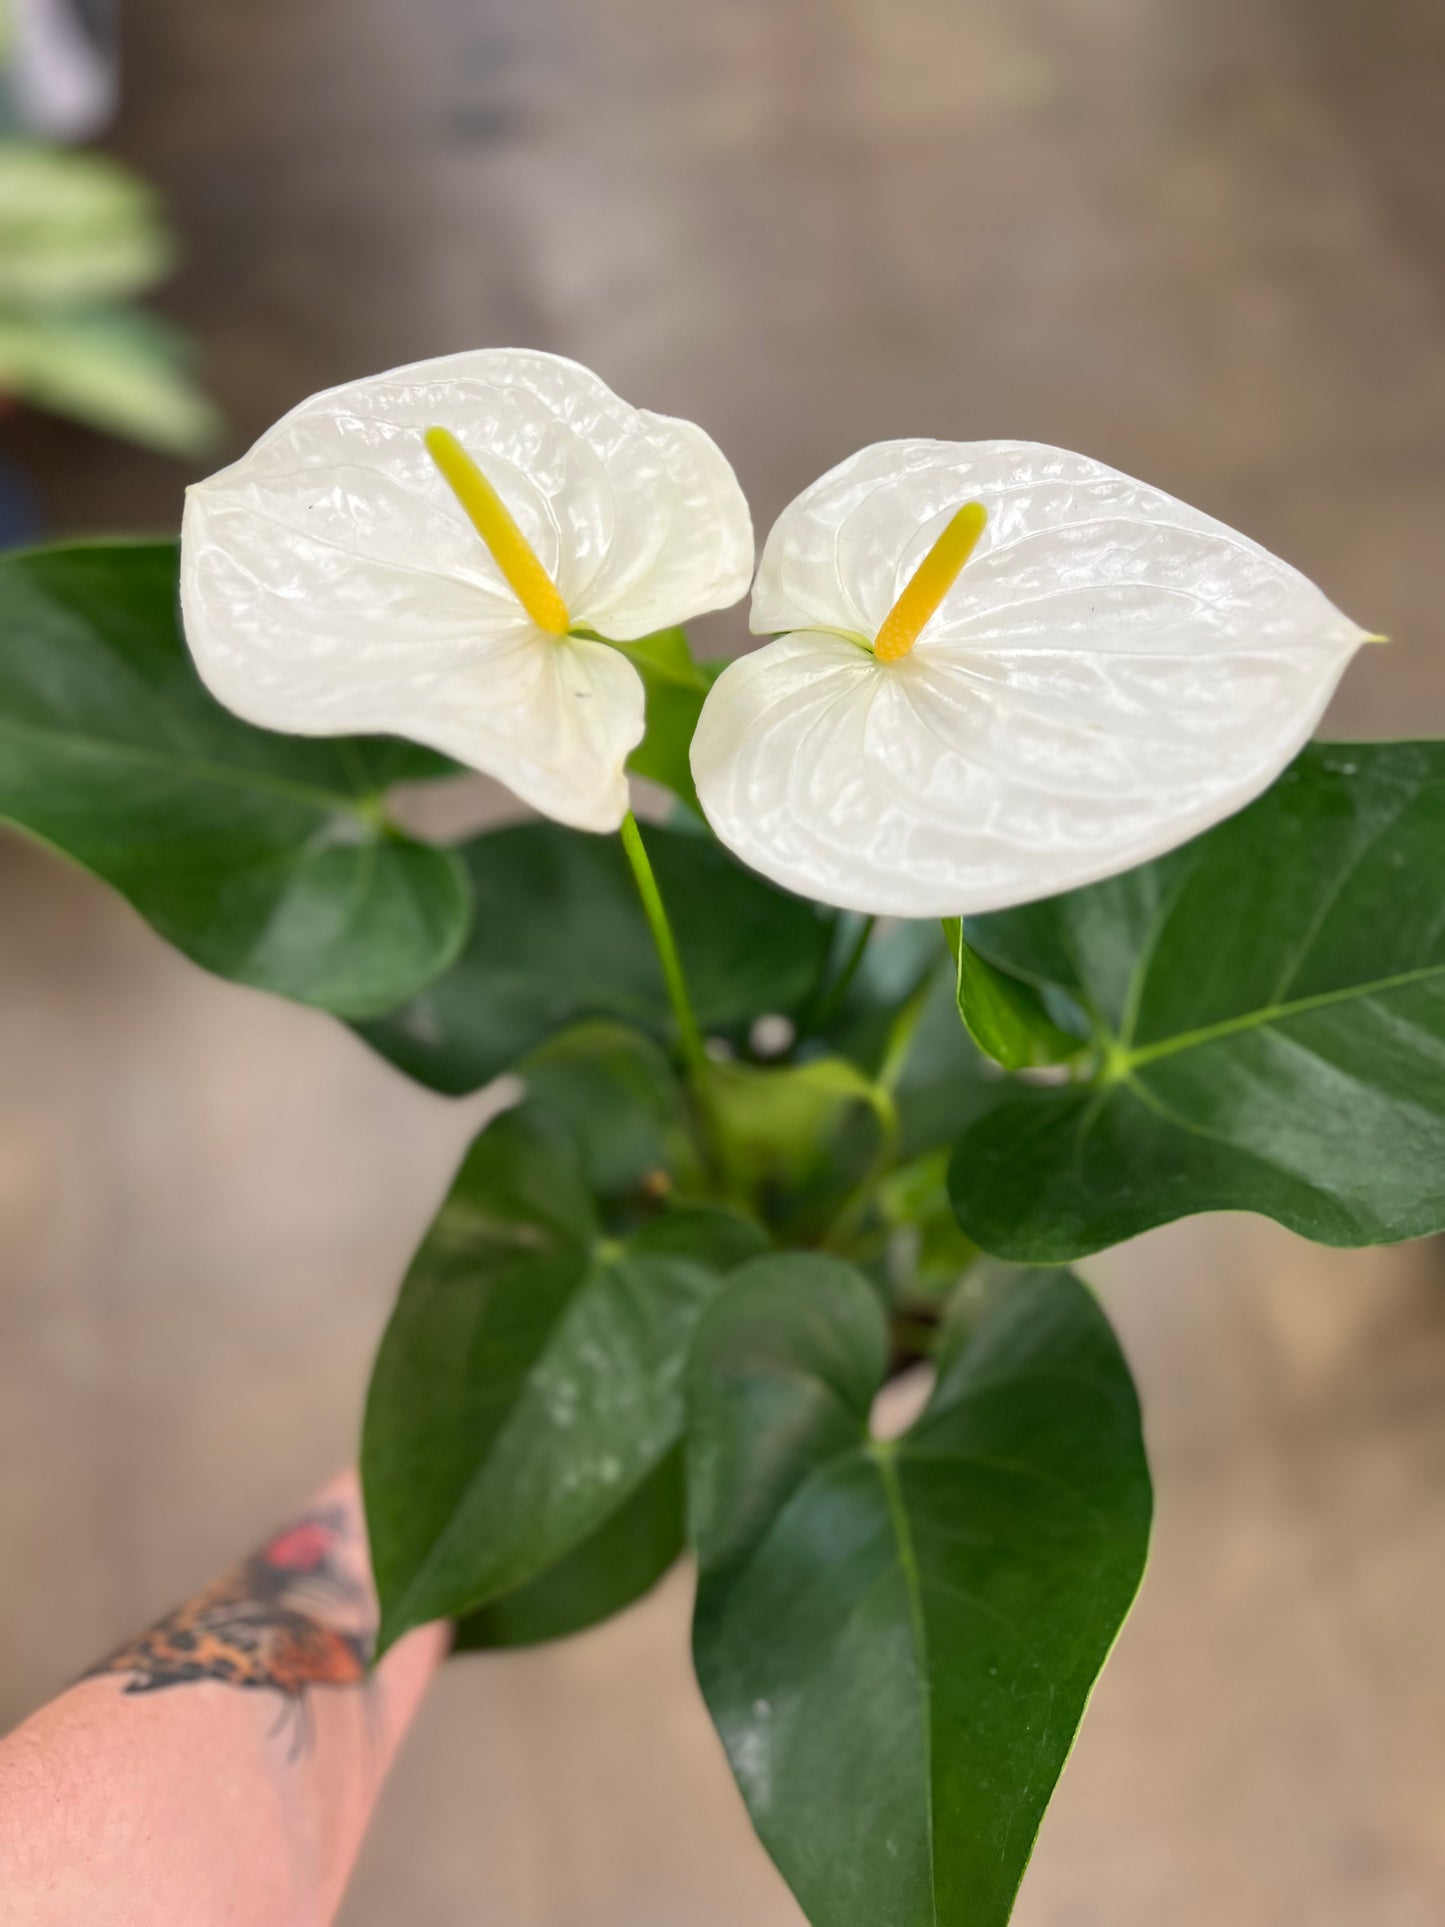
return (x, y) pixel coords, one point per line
(1203, 239)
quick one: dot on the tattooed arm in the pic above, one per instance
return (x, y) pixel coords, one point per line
(222, 1766)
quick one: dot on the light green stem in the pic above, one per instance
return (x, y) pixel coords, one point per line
(901, 1032)
(828, 1005)
(688, 1032)
(895, 1061)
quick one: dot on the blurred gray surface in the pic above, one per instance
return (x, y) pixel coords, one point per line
(1205, 242)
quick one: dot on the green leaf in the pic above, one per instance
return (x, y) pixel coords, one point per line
(623, 1559)
(897, 1641)
(75, 227)
(114, 369)
(676, 686)
(530, 1379)
(559, 934)
(624, 1104)
(1005, 1017)
(264, 858)
(1270, 1003)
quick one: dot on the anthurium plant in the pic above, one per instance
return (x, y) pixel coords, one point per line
(1000, 908)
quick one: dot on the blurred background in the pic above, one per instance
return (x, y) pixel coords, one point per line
(1203, 240)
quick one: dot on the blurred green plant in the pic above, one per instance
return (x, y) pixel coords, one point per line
(80, 238)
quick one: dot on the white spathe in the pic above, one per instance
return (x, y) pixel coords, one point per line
(331, 582)
(1111, 672)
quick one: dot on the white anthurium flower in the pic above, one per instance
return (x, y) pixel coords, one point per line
(434, 552)
(1111, 673)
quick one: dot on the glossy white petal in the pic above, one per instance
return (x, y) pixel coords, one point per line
(1111, 673)
(331, 581)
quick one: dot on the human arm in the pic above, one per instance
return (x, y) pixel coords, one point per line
(221, 1767)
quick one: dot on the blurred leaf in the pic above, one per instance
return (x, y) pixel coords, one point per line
(1004, 1016)
(623, 1559)
(530, 1379)
(75, 227)
(900, 956)
(114, 369)
(936, 1070)
(559, 935)
(1271, 1026)
(623, 1102)
(900, 1019)
(261, 857)
(897, 1641)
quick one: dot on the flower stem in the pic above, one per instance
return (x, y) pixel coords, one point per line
(901, 1032)
(895, 1060)
(689, 1034)
(831, 1002)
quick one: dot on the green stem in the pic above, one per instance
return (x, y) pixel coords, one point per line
(689, 1034)
(831, 1002)
(901, 1033)
(895, 1060)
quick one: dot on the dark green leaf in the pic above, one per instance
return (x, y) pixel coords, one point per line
(897, 1641)
(676, 686)
(559, 934)
(1270, 1002)
(1004, 1016)
(623, 1559)
(262, 857)
(623, 1103)
(531, 1377)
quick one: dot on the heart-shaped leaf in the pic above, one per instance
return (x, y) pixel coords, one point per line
(897, 1640)
(531, 1376)
(559, 934)
(264, 858)
(623, 1559)
(1270, 1007)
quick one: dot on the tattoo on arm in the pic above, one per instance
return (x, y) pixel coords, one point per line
(290, 1618)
